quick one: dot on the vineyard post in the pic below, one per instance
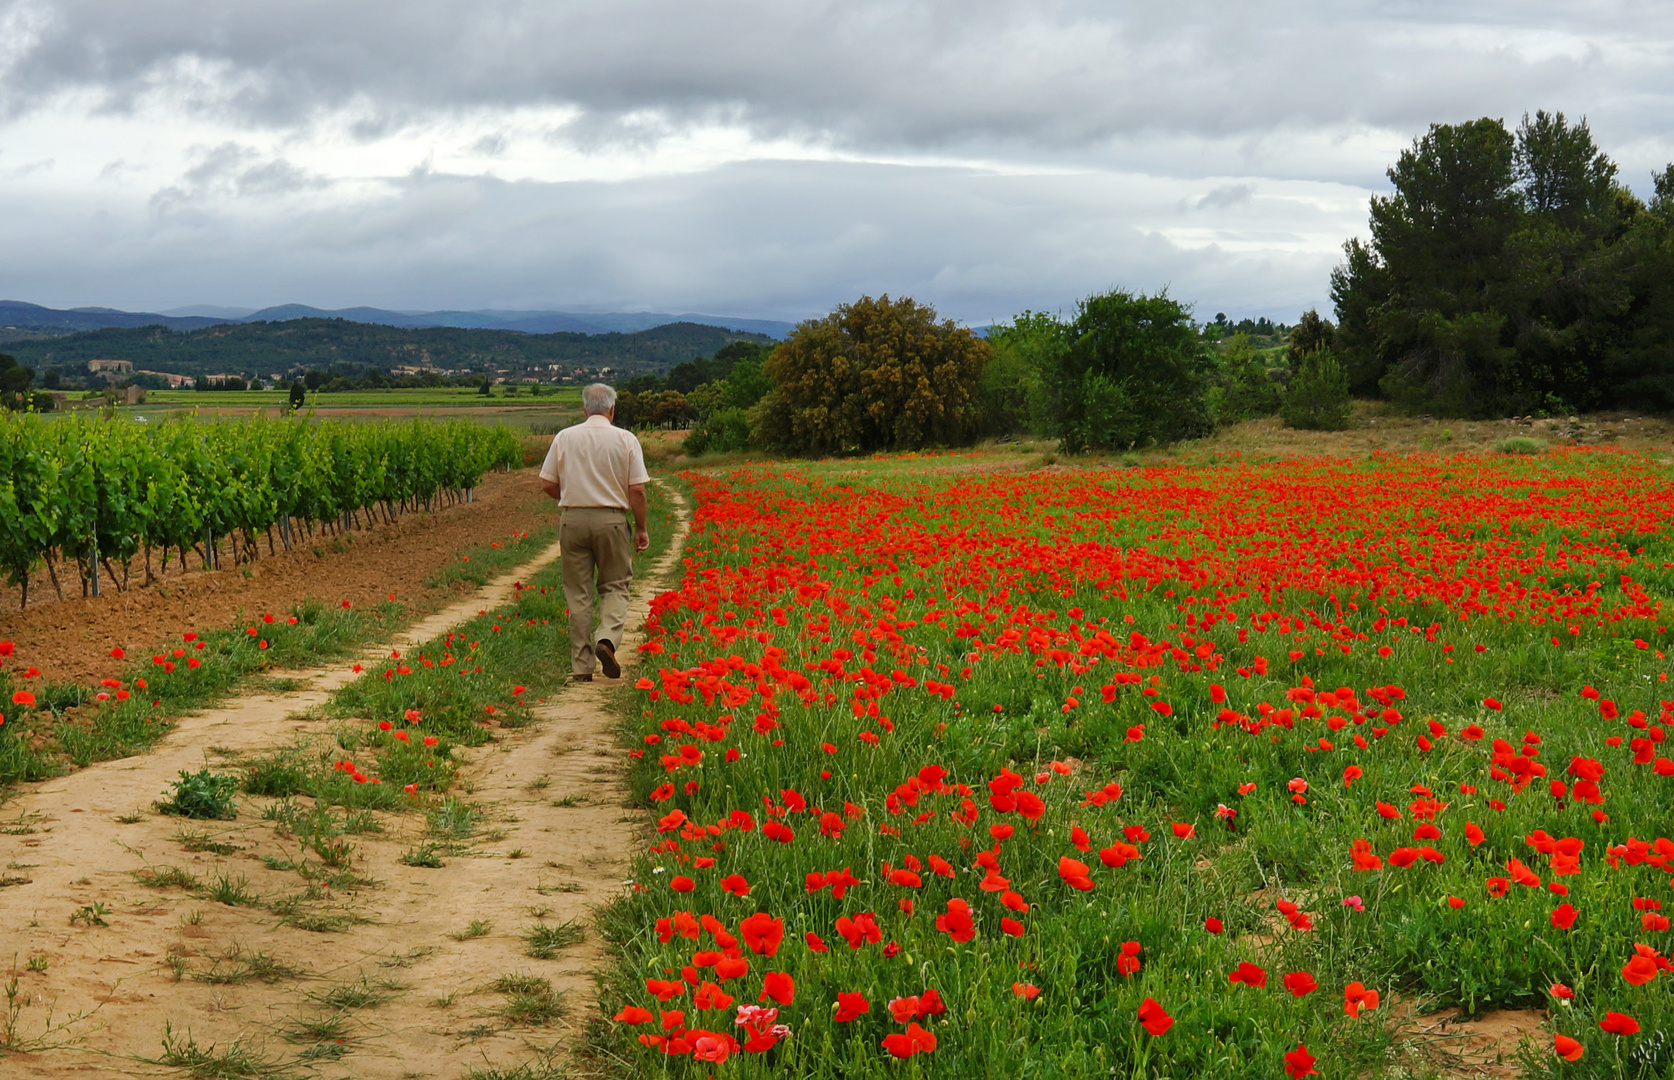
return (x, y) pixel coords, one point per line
(93, 563)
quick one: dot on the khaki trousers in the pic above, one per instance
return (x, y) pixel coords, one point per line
(595, 539)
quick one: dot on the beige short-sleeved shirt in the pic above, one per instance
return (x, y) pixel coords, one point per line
(594, 463)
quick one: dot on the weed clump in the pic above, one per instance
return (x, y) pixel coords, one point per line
(203, 795)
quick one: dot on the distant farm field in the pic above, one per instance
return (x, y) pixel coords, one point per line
(556, 406)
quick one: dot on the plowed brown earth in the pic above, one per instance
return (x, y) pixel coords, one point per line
(70, 640)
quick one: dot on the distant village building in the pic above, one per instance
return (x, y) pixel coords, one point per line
(175, 382)
(114, 367)
(134, 395)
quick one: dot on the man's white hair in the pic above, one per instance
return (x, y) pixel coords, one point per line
(598, 399)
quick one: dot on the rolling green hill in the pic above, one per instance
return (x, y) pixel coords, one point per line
(266, 348)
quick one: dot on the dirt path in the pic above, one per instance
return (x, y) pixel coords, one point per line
(407, 993)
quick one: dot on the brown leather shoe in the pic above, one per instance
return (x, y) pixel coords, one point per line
(606, 652)
(581, 678)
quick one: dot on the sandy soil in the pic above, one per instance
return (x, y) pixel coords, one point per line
(555, 840)
(70, 640)
(1486, 1046)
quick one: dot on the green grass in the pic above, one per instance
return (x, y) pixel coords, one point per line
(530, 1001)
(476, 566)
(436, 397)
(236, 967)
(528, 1070)
(425, 855)
(364, 992)
(543, 942)
(231, 891)
(168, 877)
(237, 1060)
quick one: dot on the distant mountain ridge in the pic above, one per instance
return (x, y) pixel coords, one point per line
(19, 320)
(264, 348)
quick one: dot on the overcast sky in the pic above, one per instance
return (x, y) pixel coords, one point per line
(767, 158)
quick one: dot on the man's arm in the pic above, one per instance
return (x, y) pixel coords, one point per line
(642, 515)
(551, 488)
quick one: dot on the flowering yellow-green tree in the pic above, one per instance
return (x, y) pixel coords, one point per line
(873, 375)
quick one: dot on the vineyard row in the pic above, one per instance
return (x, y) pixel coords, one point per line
(86, 493)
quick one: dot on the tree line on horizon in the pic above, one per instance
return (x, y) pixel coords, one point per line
(1508, 273)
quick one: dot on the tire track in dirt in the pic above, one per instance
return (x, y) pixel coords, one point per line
(555, 840)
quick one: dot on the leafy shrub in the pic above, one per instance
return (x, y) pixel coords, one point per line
(1248, 390)
(1318, 397)
(203, 795)
(1133, 373)
(722, 431)
(1011, 392)
(1519, 444)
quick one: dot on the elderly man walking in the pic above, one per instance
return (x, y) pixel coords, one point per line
(596, 471)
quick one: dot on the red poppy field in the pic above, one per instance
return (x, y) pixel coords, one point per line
(1205, 771)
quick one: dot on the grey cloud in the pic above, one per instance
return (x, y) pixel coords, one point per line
(1228, 195)
(947, 74)
(775, 239)
(491, 145)
(230, 169)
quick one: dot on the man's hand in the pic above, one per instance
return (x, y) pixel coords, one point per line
(642, 512)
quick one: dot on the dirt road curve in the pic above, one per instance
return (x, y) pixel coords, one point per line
(408, 993)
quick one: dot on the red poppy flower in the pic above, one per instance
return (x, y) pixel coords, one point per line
(1300, 983)
(1567, 1048)
(957, 923)
(735, 884)
(1639, 970)
(778, 986)
(24, 698)
(681, 883)
(1213, 925)
(850, 1005)
(1563, 916)
(915, 1040)
(1248, 974)
(1300, 1063)
(1357, 997)
(903, 1009)
(633, 1014)
(711, 996)
(1075, 873)
(1151, 1015)
(1184, 830)
(762, 933)
(1026, 991)
(1619, 1024)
